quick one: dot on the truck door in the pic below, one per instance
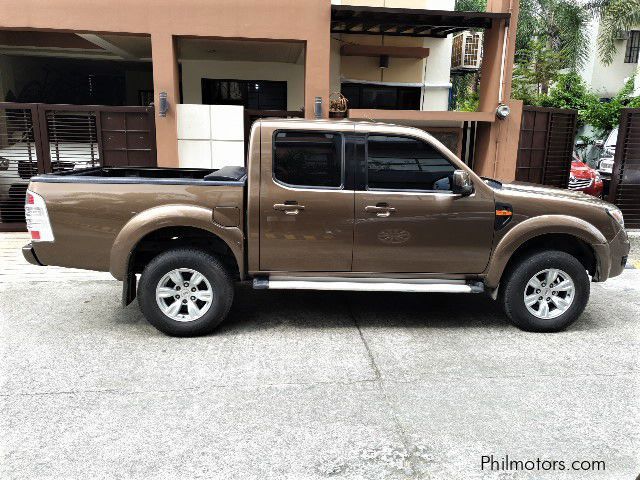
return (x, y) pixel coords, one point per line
(306, 210)
(407, 217)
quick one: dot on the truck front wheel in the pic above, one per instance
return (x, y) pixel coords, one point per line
(185, 292)
(545, 292)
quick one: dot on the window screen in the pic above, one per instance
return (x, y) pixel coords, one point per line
(312, 159)
(633, 47)
(401, 163)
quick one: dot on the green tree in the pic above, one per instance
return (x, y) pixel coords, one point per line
(559, 24)
(603, 116)
(536, 70)
(471, 5)
(570, 91)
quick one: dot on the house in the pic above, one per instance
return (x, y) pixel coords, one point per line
(208, 69)
(607, 80)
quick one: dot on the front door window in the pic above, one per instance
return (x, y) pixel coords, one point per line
(402, 163)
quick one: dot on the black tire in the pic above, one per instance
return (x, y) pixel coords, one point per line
(213, 271)
(516, 279)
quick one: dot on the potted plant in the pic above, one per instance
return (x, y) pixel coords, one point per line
(337, 105)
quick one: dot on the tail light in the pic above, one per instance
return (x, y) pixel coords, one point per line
(38, 224)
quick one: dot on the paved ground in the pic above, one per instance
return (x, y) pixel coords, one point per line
(312, 385)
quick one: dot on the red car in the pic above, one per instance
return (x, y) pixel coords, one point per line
(584, 178)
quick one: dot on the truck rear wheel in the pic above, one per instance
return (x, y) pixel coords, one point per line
(545, 292)
(185, 292)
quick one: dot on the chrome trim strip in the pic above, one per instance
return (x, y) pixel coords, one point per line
(369, 284)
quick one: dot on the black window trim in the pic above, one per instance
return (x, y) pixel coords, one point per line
(632, 50)
(385, 85)
(308, 187)
(401, 190)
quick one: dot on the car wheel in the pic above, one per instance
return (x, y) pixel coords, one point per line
(546, 292)
(185, 292)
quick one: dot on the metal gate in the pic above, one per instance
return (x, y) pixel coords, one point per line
(41, 138)
(625, 181)
(546, 145)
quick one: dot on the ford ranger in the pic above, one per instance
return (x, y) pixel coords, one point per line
(326, 205)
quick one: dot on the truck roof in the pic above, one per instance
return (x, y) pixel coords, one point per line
(331, 121)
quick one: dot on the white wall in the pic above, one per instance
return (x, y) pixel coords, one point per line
(437, 75)
(194, 70)
(606, 80)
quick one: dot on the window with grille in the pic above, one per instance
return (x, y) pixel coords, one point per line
(633, 47)
(252, 94)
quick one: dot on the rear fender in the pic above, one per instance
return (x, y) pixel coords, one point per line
(170, 216)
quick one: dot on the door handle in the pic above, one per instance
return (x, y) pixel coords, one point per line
(381, 210)
(288, 208)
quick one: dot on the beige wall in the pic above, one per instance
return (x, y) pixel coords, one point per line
(406, 70)
(194, 70)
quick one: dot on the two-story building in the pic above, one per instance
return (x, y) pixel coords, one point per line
(211, 67)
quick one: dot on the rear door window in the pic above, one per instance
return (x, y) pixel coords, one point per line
(308, 159)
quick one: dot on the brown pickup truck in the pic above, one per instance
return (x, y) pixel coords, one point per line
(326, 205)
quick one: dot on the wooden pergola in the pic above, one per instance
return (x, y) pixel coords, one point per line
(408, 22)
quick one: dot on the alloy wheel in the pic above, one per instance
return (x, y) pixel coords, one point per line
(549, 293)
(184, 295)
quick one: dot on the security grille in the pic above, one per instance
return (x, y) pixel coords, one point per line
(466, 52)
(40, 138)
(18, 161)
(73, 139)
(546, 146)
(625, 181)
(633, 47)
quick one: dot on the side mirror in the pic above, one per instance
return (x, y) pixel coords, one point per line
(462, 184)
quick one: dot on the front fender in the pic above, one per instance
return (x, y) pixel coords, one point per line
(164, 216)
(543, 225)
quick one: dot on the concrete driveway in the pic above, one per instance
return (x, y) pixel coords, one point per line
(313, 385)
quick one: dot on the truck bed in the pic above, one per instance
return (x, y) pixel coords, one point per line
(89, 208)
(230, 175)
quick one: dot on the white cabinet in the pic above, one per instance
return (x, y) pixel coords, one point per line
(210, 136)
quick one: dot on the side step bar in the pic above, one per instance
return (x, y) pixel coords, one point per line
(367, 284)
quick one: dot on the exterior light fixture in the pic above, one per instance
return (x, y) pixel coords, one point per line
(317, 107)
(163, 108)
(384, 61)
(503, 111)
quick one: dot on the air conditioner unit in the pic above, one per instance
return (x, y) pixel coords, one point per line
(624, 35)
(466, 53)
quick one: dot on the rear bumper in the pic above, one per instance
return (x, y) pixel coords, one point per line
(30, 255)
